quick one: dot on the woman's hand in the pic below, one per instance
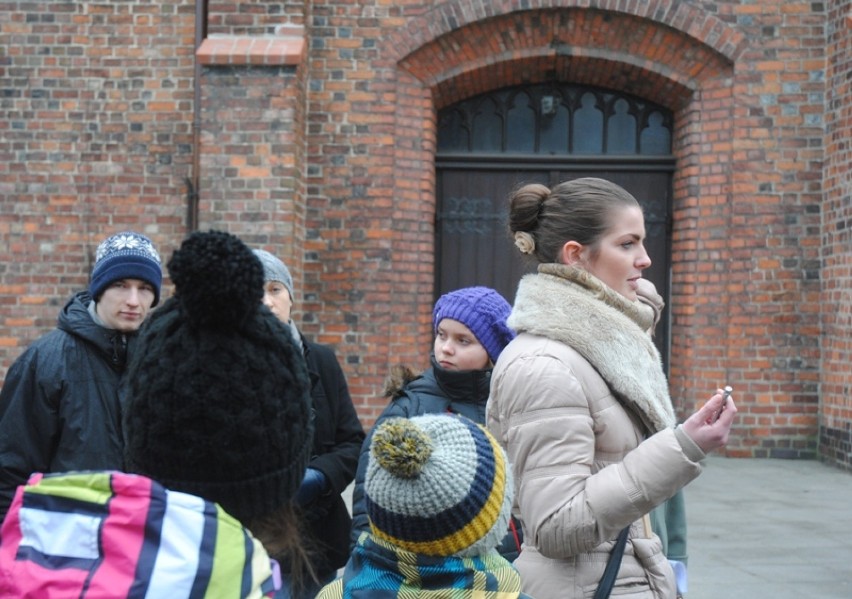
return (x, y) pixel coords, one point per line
(709, 426)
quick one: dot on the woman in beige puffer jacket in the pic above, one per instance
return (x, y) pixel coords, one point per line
(580, 401)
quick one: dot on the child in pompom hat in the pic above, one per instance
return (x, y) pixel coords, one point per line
(438, 495)
(470, 331)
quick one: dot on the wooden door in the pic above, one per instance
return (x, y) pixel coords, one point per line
(482, 160)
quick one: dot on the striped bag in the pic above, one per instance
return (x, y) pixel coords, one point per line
(98, 535)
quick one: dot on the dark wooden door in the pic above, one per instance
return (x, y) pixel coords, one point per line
(476, 172)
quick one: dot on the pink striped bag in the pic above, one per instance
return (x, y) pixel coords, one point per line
(99, 535)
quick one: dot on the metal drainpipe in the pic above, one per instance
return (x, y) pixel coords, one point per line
(193, 184)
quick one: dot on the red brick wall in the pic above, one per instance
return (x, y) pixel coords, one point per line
(329, 162)
(836, 276)
(95, 137)
(747, 189)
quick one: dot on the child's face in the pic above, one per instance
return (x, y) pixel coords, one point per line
(457, 348)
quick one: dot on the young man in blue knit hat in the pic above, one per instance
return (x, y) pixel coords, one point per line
(59, 405)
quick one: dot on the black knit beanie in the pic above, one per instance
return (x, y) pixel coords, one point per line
(217, 400)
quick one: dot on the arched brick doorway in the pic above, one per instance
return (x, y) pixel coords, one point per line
(455, 53)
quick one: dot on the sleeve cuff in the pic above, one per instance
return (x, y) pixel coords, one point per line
(690, 447)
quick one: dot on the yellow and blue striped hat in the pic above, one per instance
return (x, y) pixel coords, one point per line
(438, 484)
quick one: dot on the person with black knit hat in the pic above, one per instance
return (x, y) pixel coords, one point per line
(217, 427)
(439, 495)
(334, 455)
(470, 332)
(59, 406)
(217, 400)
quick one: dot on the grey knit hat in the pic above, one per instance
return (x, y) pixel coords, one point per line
(275, 270)
(438, 484)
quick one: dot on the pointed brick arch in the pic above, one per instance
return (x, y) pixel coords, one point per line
(704, 28)
(589, 46)
(664, 51)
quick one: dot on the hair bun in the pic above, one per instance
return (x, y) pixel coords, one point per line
(218, 280)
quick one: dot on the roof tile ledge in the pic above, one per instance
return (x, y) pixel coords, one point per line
(285, 48)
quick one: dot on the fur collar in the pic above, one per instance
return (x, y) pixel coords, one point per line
(571, 306)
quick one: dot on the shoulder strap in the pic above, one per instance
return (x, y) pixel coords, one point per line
(612, 566)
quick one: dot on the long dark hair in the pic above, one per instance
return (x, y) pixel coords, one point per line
(282, 534)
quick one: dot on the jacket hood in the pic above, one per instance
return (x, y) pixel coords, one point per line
(75, 319)
(571, 306)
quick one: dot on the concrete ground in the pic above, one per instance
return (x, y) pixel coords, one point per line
(773, 529)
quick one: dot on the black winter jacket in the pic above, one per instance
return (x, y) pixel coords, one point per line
(435, 391)
(59, 405)
(338, 436)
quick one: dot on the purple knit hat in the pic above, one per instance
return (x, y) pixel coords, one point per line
(483, 311)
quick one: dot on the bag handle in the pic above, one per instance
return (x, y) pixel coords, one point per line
(612, 566)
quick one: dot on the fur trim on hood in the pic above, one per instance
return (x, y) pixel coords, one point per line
(400, 375)
(571, 306)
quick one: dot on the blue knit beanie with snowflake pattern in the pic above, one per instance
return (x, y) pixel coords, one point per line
(126, 255)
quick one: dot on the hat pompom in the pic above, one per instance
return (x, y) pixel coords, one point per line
(401, 448)
(218, 280)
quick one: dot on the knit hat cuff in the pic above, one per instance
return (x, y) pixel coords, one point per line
(244, 499)
(126, 267)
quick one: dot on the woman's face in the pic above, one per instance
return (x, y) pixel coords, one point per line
(277, 299)
(457, 348)
(619, 257)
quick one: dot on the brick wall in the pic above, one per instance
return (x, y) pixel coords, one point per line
(95, 137)
(745, 84)
(325, 155)
(836, 299)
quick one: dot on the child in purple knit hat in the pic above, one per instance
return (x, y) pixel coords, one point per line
(482, 312)
(470, 331)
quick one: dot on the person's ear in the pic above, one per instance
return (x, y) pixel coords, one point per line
(571, 253)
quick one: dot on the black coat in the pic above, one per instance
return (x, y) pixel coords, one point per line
(338, 436)
(59, 405)
(434, 392)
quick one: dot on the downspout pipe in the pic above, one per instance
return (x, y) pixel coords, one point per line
(193, 183)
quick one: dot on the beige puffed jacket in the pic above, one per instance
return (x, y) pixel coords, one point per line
(580, 402)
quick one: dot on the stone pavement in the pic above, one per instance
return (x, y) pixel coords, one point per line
(769, 529)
